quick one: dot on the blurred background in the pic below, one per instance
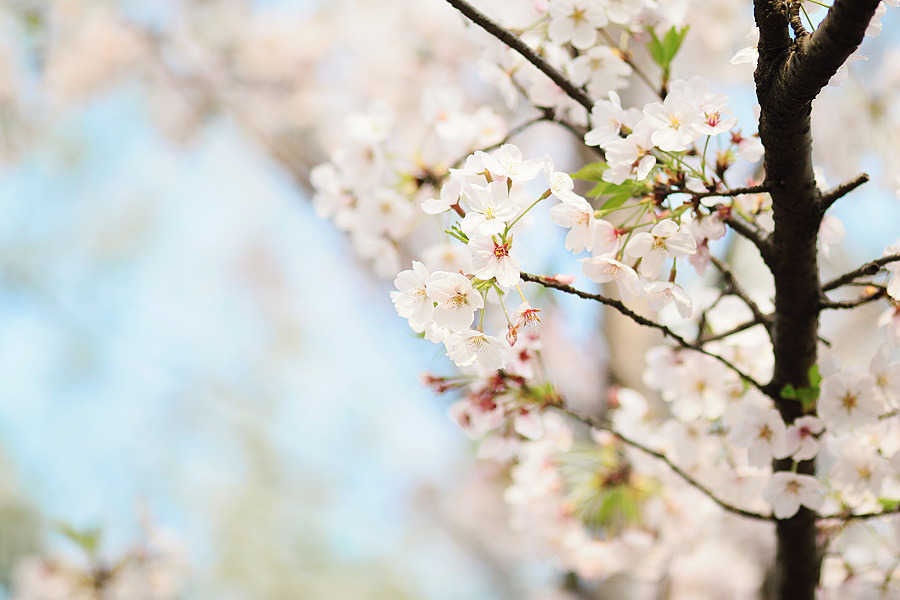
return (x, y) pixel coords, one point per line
(188, 353)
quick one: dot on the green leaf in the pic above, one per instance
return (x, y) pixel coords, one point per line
(655, 48)
(814, 378)
(618, 193)
(663, 51)
(673, 40)
(889, 504)
(591, 172)
(788, 392)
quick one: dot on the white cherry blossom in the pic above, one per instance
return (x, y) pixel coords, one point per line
(491, 207)
(787, 491)
(848, 400)
(576, 21)
(411, 300)
(456, 300)
(507, 161)
(603, 269)
(474, 347)
(492, 259)
(661, 242)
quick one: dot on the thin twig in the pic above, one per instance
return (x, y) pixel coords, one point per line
(735, 289)
(835, 194)
(736, 329)
(752, 233)
(512, 133)
(755, 189)
(690, 480)
(870, 268)
(630, 62)
(849, 304)
(846, 517)
(624, 310)
(511, 40)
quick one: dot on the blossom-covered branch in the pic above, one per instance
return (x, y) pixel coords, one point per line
(513, 41)
(624, 310)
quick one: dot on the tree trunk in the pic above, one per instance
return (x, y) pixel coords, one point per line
(791, 72)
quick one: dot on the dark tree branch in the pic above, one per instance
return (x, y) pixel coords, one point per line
(755, 189)
(624, 310)
(835, 194)
(690, 480)
(794, 19)
(734, 288)
(868, 269)
(789, 75)
(511, 40)
(847, 517)
(850, 304)
(736, 329)
(820, 55)
(753, 234)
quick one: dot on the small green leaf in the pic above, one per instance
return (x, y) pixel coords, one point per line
(788, 392)
(663, 51)
(655, 48)
(814, 378)
(889, 504)
(591, 172)
(673, 40)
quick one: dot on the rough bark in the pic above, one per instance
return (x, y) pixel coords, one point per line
(790, 74)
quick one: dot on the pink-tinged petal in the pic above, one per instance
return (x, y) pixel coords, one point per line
(652, 262)
(639, 245)
(664, 228)
(645, 166)
(564, 215)
(508, 272)
(681, 244)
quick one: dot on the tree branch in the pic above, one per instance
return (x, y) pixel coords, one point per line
(640, 320)
(789, 75)
(735, 289)
(835, 194)
(751, 233)
(847, 517)
(690, 480)
(794, 19)
(850, 304)
(754, 189)
(513, 41)
(736, 329)
(870, 268)
(819, 56)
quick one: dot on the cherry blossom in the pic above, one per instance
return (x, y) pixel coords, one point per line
(661, 242)
(575, 21)
(456, 300)
(411, 300)
(848, 400)
(787, 491)
(491, 259)
(507, 161)
(474, 347)
(604, 269)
